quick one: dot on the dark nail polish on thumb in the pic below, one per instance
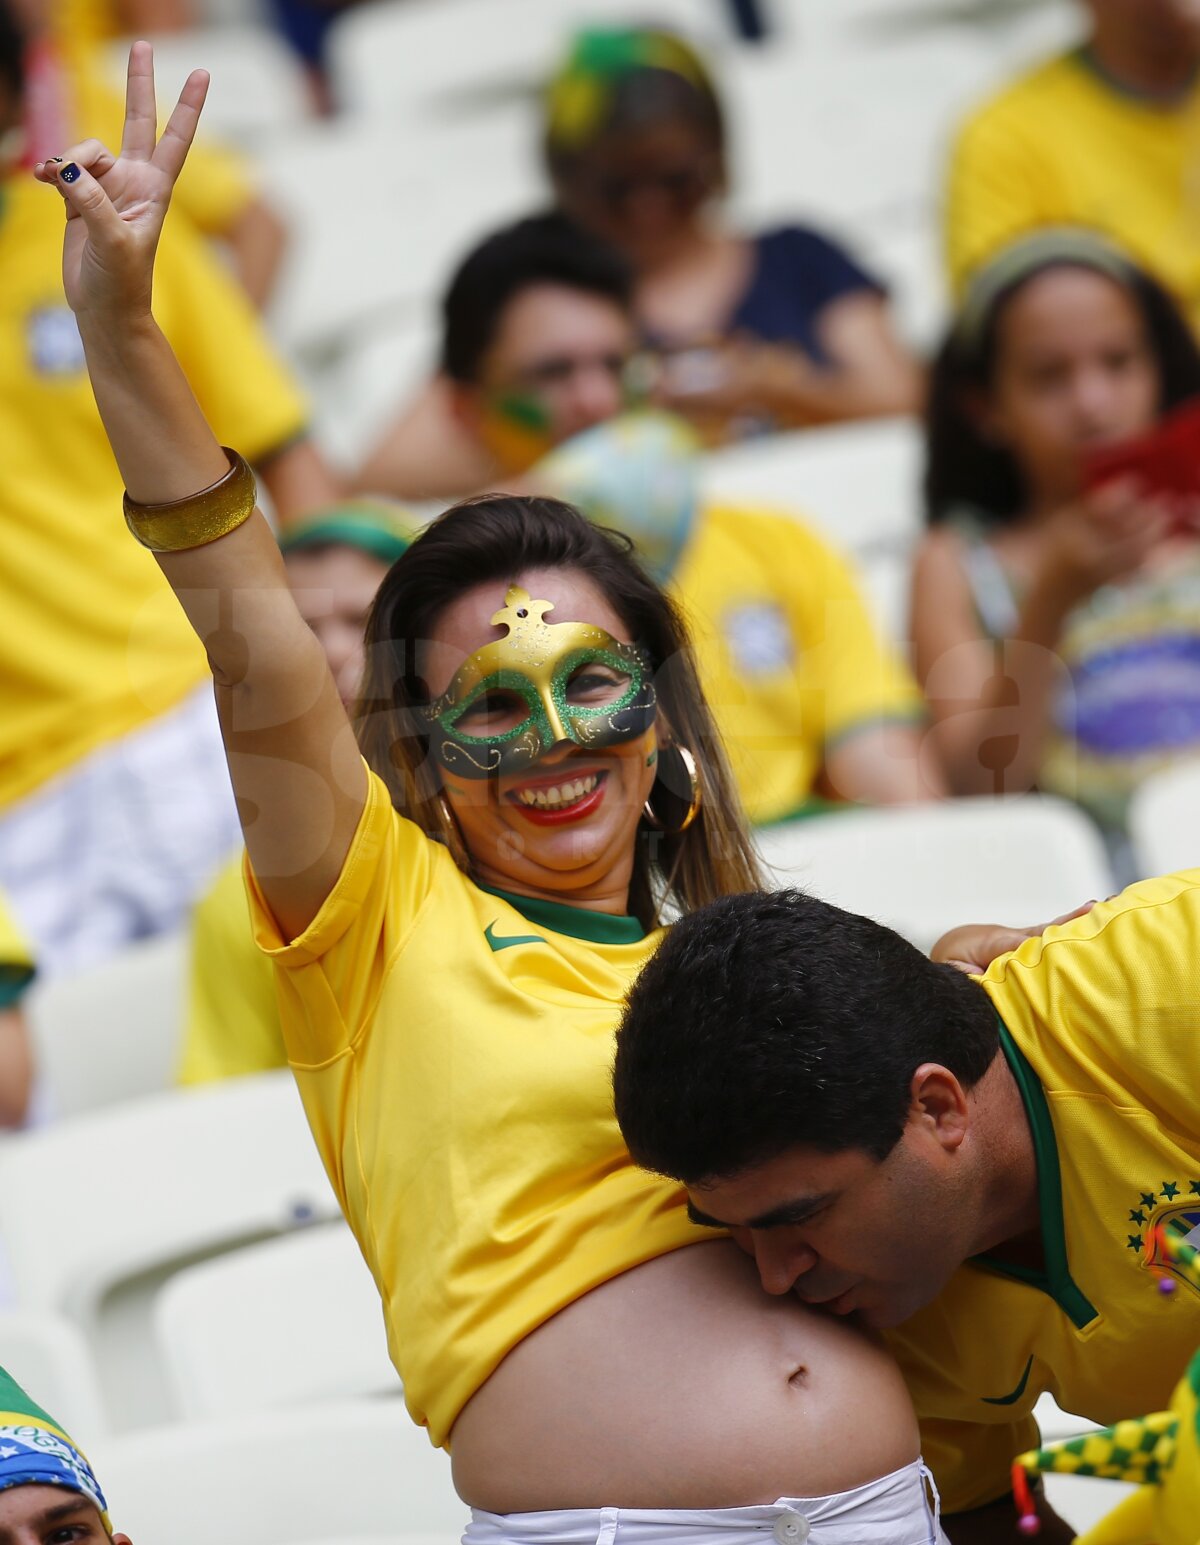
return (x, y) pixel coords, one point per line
(69, 173)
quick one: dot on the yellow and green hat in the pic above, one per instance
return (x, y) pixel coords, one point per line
(1159, 1453)
(579, 96)
(35, 1451)
(378, 527)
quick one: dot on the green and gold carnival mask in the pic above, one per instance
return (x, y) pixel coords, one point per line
(512, 700)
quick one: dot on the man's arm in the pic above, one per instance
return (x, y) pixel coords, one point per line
(996, 1524)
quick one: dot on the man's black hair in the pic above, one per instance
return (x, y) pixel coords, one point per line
(769, 1021)
(543, 249)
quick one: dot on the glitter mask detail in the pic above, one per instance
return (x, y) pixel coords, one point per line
(535, 663)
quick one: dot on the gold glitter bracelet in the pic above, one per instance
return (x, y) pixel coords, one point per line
(200, 518)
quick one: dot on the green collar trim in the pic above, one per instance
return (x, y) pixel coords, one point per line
(1055, 1280)
(575, 922)
(1165, 101)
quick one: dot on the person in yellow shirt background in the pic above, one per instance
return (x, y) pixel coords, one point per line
(69, 96)
(1107, 136)
(336, 560)
(538, 345)
(977, 1165)
(112, 811)
(16, 1058)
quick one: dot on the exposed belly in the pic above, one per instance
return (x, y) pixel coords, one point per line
(681, 1384)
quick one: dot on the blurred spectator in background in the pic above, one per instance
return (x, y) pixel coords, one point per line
(538, 343)
(113, 805)
(1057, 625)
(67, 98)
(1106, 136)
(775, 330)
(336, 560)
(16, 1058)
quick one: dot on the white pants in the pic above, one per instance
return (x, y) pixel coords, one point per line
(120, 846)
(899, 1509)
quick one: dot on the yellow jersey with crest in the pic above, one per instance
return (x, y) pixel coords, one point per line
(789, 658)
(1064, 145)
(1101, 1028)
(453, 1047)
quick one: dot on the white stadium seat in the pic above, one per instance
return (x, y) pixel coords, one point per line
(322, 1472)
(113, 1032)
(1164, 821)
(97, 1211)
(293, 1319)
(922, 869)
(856, 483)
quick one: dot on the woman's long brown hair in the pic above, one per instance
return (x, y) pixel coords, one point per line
(497, 538)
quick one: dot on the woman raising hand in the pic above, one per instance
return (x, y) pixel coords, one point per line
(454, 927)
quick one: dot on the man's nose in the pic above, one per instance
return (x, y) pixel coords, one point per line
(781, 1260)
(595, 395)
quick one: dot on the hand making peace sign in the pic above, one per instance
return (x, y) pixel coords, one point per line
(116, 204)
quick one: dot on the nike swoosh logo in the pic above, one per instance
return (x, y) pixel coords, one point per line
(508, 940)
(1010, 1400)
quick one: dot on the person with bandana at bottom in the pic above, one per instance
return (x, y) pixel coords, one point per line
(1106, 136)
(539, 342)
(336, 560)
(48, 1491)
(1056, 626)
(454, 917)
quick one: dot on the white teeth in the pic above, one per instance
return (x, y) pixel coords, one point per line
(560, 794)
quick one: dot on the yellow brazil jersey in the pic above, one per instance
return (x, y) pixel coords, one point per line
(93, 643)
(232, 1024)
(453, 1048)
(1065, 146)
(16, 962)
(1101, 1022)
(788, 656)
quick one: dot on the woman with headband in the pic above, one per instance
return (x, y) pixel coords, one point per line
(455, 916)
(770, 331)
(1057, 624)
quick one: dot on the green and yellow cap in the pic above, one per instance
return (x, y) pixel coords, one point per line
(35, 1451)
(377, 527)
(579, 95)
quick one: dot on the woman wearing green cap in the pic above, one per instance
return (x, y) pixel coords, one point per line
(774, 330)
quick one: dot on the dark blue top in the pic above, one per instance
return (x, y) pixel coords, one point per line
(796, 274)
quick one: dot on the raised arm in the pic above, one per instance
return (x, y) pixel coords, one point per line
(292, 757)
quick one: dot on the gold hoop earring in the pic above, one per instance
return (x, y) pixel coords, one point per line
(694, 796)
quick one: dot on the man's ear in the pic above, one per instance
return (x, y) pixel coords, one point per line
(121, 1539)
(939, 1105)
(466, 406)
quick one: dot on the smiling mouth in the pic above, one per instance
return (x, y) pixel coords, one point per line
(558, 796)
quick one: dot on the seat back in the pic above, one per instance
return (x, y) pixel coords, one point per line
(1164, 820)
(290, 1320)
(111, 1033)
(923, 869)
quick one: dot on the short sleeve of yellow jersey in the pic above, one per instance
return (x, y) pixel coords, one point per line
(328, 979)
(232, 1023)
(240, 382)
(16, 960)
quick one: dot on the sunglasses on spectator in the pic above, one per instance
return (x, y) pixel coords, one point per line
(683, 185)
